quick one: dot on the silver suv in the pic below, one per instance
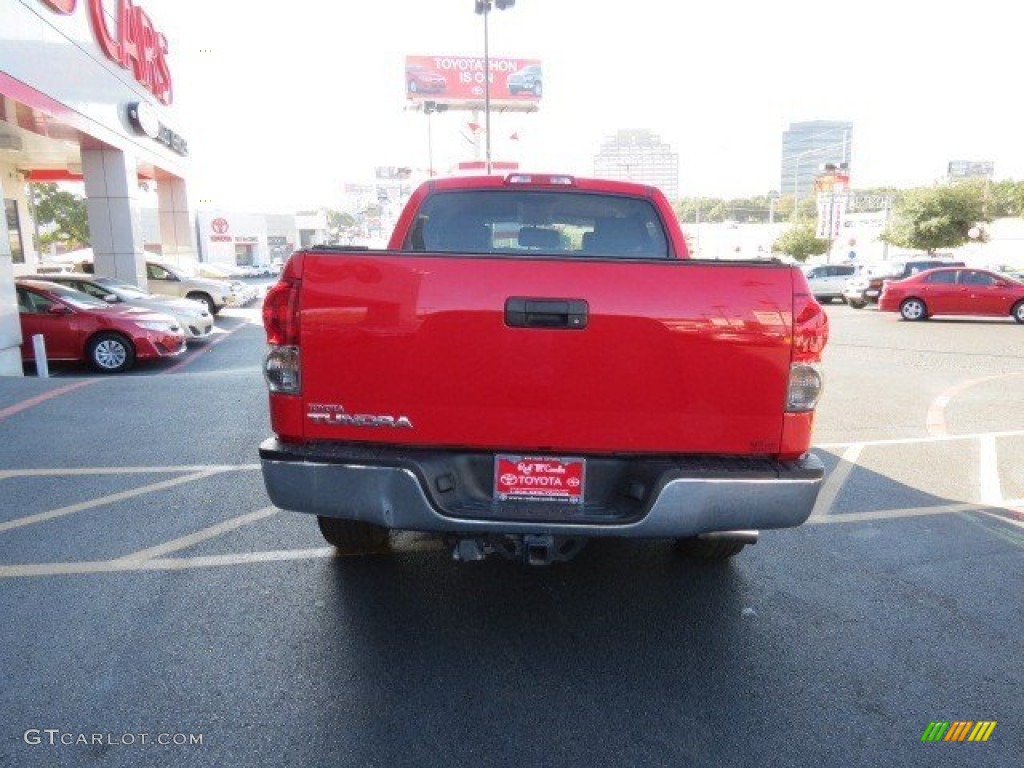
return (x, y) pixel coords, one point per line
(827, 280)
(169, 280)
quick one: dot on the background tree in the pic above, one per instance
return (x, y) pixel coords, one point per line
(801, 241)
(61, 216)
(339, 224)
(930, 218)
(1006, 198)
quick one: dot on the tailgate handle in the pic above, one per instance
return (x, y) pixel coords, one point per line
(568, 314)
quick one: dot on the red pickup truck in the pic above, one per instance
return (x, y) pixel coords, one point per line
(535, 361)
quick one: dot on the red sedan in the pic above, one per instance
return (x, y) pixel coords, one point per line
(949, 291)
(77, 326)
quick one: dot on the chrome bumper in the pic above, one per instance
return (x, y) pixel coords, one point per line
(395, 496)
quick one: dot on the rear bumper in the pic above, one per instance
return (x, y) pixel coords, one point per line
(451, 492)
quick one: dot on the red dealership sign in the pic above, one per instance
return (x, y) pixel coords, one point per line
(128, 38)
(459, 81)
(62, 6)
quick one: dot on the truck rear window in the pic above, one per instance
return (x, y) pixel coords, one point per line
(538, 222)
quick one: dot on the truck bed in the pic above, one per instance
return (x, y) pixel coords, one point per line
(541, 354)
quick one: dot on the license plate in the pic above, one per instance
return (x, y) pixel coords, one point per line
(871, 293)
(534, 478)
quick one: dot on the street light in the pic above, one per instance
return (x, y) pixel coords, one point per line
(483, 7)
(429, 108)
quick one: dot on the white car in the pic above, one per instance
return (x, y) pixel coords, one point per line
(194, 318)
(172, 280)
(827, 280)
(243, 292)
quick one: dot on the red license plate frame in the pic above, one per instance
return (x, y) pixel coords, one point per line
(540, 478)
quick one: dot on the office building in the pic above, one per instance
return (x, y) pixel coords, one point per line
(639, 156)
(808, 146)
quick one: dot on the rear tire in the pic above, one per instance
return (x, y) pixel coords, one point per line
(1018, 311)
(913, 309)
(110, 353)
(353, 535)
(708, 549)
(857, 303)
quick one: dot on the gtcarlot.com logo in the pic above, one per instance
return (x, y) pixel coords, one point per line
(55, 737)
(958, 730)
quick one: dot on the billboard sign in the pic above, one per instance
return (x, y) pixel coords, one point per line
(458, 81)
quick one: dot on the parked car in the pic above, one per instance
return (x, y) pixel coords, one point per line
(169, 280)
(866, 286)
(827, 280)
(193, 316)
(527, 80)
(954, 292)
(243, 292)
(419, 79)
(77, 326)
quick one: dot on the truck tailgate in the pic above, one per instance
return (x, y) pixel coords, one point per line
(666, 357)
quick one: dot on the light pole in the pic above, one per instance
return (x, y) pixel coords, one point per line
(429, 108)
(483, 7)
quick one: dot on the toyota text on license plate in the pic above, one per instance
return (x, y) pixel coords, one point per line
(539, 478)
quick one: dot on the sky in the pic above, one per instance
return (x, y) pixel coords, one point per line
(282, 103)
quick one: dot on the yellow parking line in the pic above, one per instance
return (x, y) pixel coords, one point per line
(105, 500)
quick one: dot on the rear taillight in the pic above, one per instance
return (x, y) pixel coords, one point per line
(805, 385)
(281, 366)
(281, 312)
(282, 370)
(810, 334)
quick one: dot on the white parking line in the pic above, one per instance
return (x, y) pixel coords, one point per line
(81, 471)
(895, 514)
(836, 480)
(920, 440)
(105, 500)
(988, 474)
(199, 536)
(205, 561)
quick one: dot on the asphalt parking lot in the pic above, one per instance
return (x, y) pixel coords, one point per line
(159, 611)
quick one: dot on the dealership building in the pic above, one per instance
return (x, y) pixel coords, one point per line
(87, 94)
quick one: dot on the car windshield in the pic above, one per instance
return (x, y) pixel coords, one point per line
(74, 298)
(121, 289)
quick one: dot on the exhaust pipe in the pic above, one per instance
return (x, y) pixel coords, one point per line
(740, 537)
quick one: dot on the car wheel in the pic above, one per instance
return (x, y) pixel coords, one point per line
(353, 535)
(111, 353)
(857, 303)
(1018, 311)
(206, 299)
(708, 549)
(913, 309)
